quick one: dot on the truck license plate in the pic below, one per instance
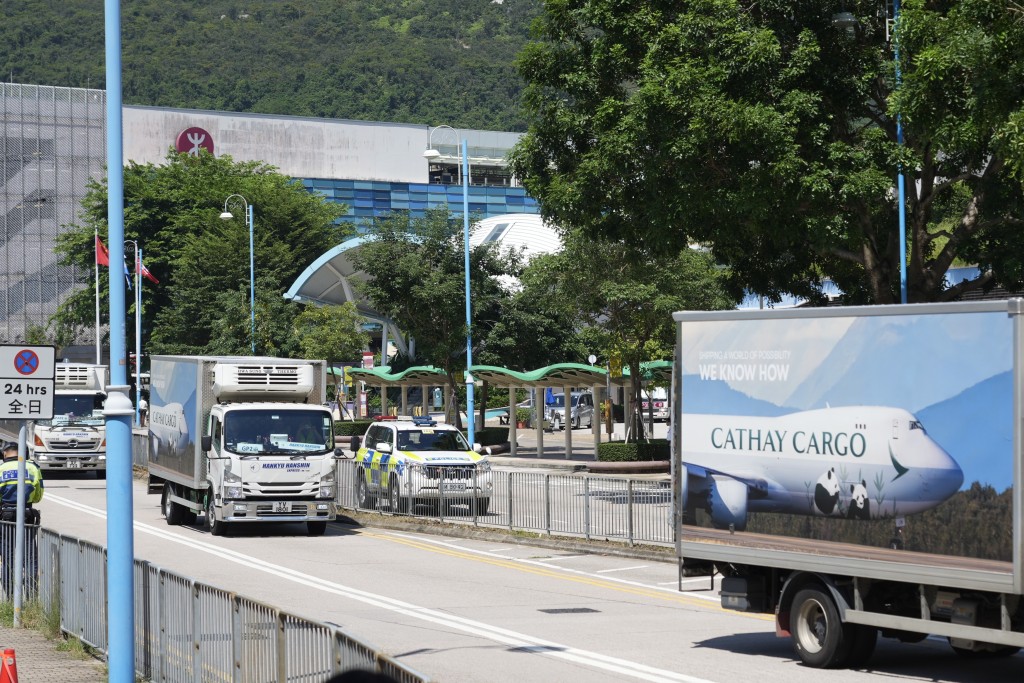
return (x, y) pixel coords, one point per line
(74, 463)
(282, 507)
(453, 486)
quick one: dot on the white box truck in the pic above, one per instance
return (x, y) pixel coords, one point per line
(76, 438)
(241, 440)
(856, 472)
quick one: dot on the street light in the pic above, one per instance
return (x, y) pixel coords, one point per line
(226, 216)
(432, 153)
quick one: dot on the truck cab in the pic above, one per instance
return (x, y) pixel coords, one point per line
(75, 438)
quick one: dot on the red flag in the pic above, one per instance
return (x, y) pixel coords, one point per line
(102, 255)
(141, 269)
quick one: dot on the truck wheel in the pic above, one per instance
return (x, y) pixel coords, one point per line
(172, 511)
(316, 528)
(364, 498)
(862, 644)
(818, 636)
(213, 525)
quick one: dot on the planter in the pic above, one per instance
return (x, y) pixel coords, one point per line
(520, 424)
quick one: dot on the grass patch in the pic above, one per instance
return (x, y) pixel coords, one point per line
(37, 618)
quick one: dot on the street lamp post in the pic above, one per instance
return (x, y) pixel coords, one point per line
(226, 216)
(138, 330)
(432, 153)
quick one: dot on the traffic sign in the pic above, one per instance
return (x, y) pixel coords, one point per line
(26, 382)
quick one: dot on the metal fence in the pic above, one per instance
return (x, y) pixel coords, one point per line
(186, 630)
(581, 505)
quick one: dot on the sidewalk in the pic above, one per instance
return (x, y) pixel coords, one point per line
(39, 661)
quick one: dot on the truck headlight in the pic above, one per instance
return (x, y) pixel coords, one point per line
(232, 485)
(327, 490)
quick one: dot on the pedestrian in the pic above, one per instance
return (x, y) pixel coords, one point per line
(143, 409)
(9, 512)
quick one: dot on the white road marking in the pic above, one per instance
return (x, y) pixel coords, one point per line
(495, 633)
(620, 569)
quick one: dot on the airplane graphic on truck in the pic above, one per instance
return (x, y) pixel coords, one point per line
(858, 462)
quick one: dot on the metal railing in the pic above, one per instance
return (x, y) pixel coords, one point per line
(581, 505)
(186, 630)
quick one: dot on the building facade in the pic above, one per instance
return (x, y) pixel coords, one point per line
(54, 141)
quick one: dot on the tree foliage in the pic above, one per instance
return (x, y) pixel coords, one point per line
(202, 262)
(768, 132)
(416, 276)
(623, 305)
(411, 61)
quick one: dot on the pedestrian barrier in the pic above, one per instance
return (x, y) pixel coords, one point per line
(189, 630)
(9, 668)
(593, 507)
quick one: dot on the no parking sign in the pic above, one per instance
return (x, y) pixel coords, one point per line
(26, 382)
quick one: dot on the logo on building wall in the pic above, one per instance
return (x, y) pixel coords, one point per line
(191, 140)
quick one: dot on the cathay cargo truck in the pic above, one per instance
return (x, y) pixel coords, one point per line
(856, 472)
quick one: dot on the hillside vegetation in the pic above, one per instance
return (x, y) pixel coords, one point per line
(410, 61)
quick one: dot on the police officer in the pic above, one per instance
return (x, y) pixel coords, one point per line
(9, 511)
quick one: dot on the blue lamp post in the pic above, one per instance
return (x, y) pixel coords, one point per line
(226, 216)
(431, 154)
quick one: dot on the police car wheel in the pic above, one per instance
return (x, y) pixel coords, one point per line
(101, 474)
(480, 505)
(397, 502)
(364, 498)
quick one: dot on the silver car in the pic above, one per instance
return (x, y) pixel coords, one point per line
(581, 410)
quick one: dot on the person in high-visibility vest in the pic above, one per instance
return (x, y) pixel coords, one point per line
(9, 511)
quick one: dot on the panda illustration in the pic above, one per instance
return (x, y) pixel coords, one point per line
(860, 506)
(826, 492)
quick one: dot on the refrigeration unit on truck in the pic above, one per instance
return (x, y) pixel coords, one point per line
(241, 440)
(75, 439)
(856, 472)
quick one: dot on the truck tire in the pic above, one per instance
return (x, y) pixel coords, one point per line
(818, 636)
(213, 525)
(862, 641)
(172, 511)
(364, 498)
(316, 527)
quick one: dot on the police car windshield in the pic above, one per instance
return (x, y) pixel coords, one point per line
(432, 440)
(249, 432)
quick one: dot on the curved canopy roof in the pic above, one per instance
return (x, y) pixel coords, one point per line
(420, 374)
(572, 374)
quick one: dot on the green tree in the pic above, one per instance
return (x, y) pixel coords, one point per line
(767, 131)
(624, 305)
(201, 304)
(416, 277)
(334, 333)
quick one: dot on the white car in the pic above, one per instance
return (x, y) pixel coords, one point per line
(581, 411)
(420, 462)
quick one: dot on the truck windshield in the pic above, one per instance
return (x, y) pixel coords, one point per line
(432, 440)
(291, 432)
(76, 409)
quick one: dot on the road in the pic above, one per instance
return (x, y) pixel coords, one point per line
(466, 609)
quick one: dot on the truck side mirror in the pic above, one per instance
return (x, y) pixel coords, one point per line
(356, 442)
(206, 443)
(339, 452)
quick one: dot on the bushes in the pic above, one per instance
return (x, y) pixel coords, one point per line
(351, 428)
(617, 451)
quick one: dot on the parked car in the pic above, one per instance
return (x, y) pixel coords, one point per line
(581, 410)
(656, 399)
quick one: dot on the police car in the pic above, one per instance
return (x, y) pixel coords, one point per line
(403, 463)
